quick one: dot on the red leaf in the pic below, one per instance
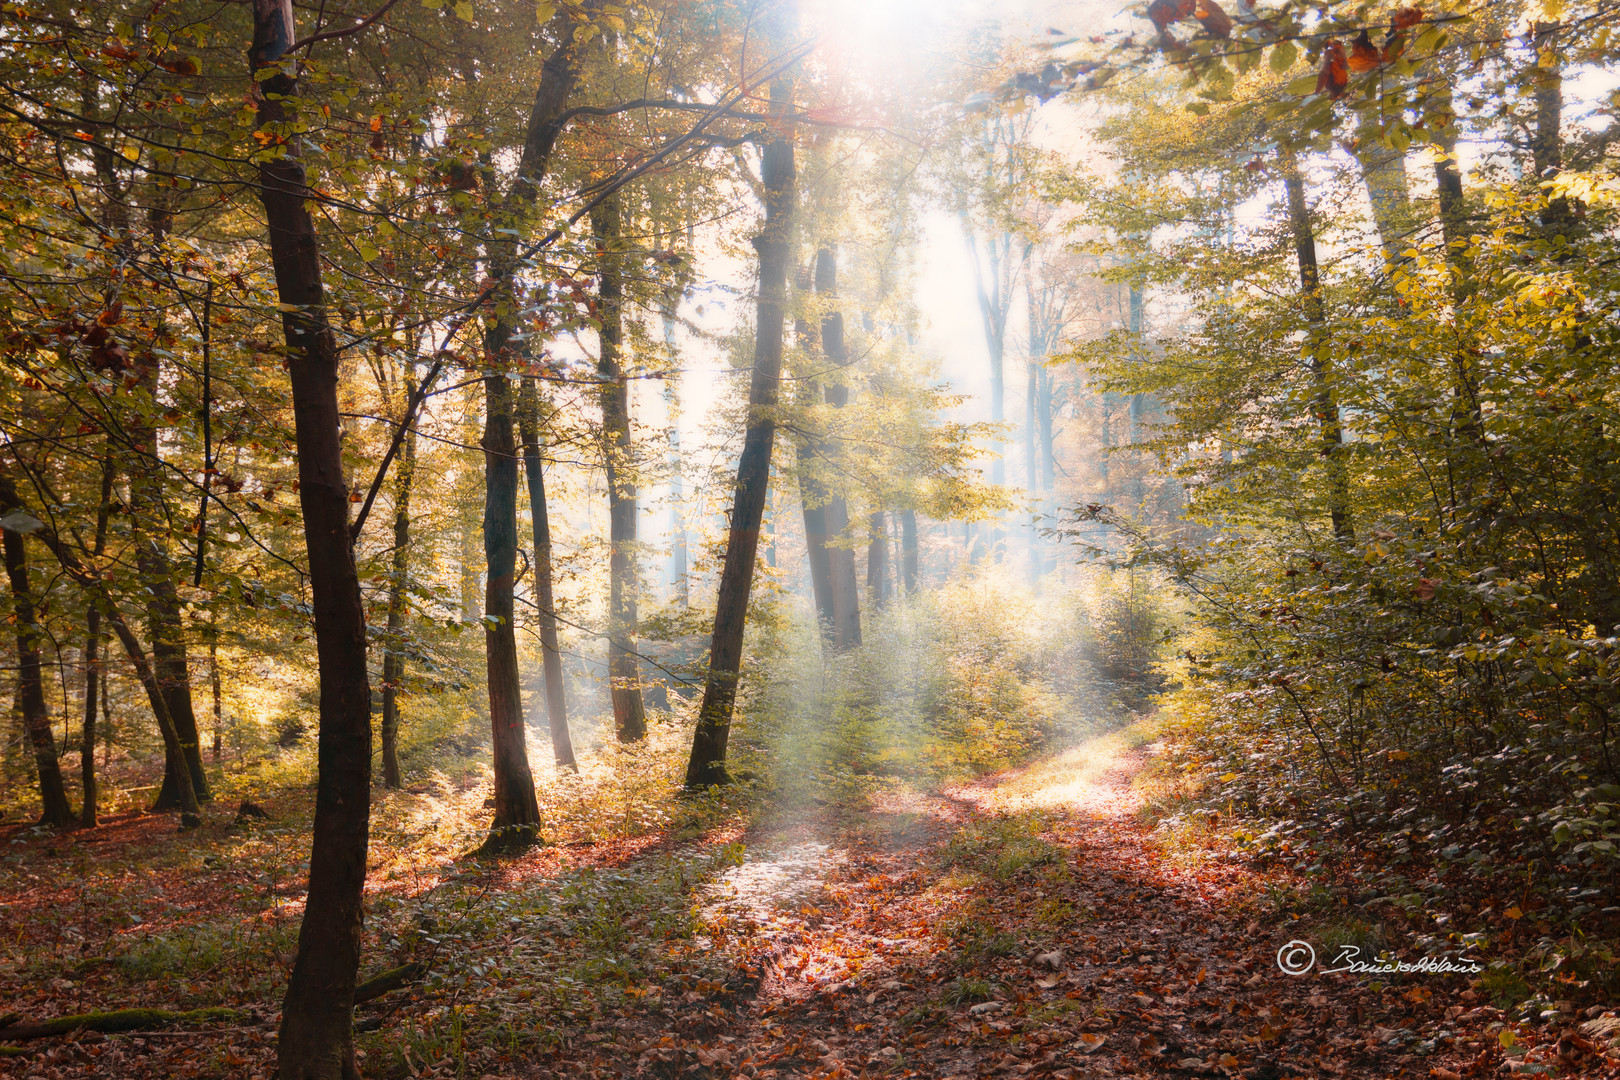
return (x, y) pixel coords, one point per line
(1335, 73)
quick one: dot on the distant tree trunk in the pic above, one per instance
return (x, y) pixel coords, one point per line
(707, 764)
(813, 499)
(164, 626)
(1383, 171)
(629, 714)
(393, 666)
(877, 558)
(316, 1039)
(31, 688)
(562, 744)
(1547, 138)
(215, 687)
(92, 645)
(908, 549)
(1331, 440)
(993, 314)
(472, 605)
(842, 582)
(1044, 417)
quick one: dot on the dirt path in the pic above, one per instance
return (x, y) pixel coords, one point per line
(1026, 925)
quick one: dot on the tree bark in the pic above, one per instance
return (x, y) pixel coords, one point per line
(562, 744)
(1547, 139)
(908, 550)
(517, 810)
(157, 572)
(92, 646)
(707, 764)
(316, 1040)
(842, 581)
(1331, 439)
(393, 667)
(877, 558)
(629, 714)
(31, 689)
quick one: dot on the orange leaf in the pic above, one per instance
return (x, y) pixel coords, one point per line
(1335, 74)
(1408, 16)
(1217, 23)
(1363, 54)
(1165, 12)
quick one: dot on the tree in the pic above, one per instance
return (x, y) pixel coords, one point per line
(629, 716)
(316, 1039)
(707, 764)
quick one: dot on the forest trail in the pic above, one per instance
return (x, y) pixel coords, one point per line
(1025, 924)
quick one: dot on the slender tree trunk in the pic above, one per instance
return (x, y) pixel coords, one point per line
(992, 312)
(393, 667)
(517, 810)
(92, 645)
(629, 714)
(707, 764)
(1547, 139)
(31, 687)
(1325, 406)
(157, 572)
(562, 745)
(1383, 173)
(908, 550)
(841, 579)
(317, 1022)
(214, 685)
(877, 558)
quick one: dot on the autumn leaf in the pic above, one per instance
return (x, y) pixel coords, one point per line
(1364, 55)
(1165, 12)
(1334, 75)
(1216, 22)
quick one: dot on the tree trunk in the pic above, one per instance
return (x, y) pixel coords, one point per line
(92, 646)
(562, 745)
(316, 1040)
(1326, 407)
(215, 687)
(393, 667)
(877, 558)
(517, 811)
(1547, 139)
(908, 550)
(992, 313)
(629, 715)
(841, 579)
(164, 626)
(707, 764)
(31, 688)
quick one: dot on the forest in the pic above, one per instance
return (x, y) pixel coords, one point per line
(805, 538)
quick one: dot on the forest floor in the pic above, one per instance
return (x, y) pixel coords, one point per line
(1026, 924)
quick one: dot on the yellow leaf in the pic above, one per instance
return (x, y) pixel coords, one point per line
(464, 11)
(544, 11)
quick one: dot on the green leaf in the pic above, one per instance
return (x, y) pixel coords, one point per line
(1304, 86)
(1283, 56)
(545, 11)
(464, 11)
(1198, 108)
